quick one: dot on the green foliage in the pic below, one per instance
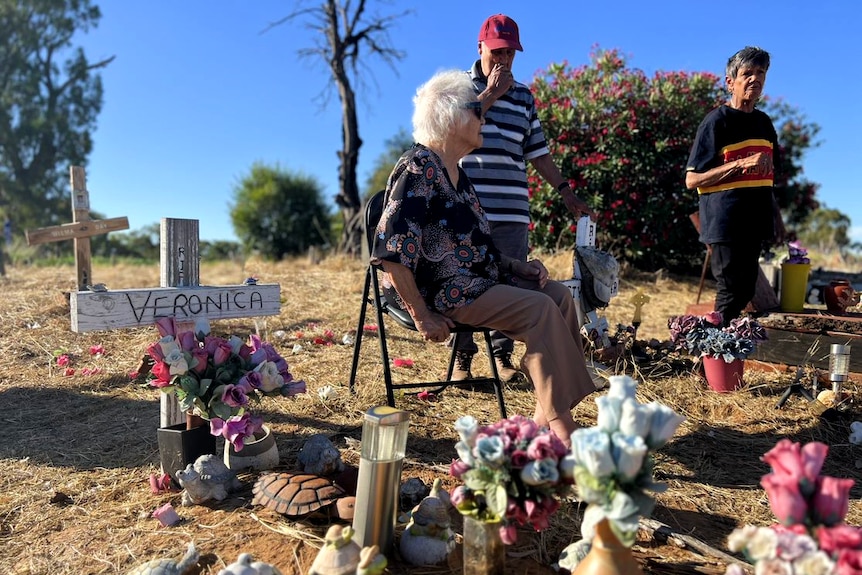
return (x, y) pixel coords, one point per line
(623, 138)
(49, 100)
(395, 147)
(826, 230)
(277, 213)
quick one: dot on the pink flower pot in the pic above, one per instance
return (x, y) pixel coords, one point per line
(721, 376)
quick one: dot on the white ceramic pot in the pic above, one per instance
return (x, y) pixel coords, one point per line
(260, 454)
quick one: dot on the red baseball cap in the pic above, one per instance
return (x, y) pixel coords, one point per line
(500, 31)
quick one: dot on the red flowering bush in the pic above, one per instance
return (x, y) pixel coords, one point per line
(622, 139)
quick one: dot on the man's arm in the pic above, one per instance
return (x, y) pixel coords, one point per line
(546, 167)
(718, 174)
(432, 325)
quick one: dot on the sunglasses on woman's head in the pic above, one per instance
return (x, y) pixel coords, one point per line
(476, 107)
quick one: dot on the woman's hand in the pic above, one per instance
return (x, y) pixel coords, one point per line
(434, 326)
(531, 270)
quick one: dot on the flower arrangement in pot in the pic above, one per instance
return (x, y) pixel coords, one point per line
(811, 536)
(219, 379)
(612, 465)
(511, 473)
(704, 336)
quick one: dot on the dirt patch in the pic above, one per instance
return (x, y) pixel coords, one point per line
(79, 448)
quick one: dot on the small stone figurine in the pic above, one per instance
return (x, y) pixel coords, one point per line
(339, 555)
(428, 538)
(245, 566)
(205, 479)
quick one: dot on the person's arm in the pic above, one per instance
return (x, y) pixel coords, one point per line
(499, 82)
(546, 167)
(432, 325)
(720, 173)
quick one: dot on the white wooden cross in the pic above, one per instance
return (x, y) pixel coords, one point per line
(590, 322)
(180, 296)
(81, 228)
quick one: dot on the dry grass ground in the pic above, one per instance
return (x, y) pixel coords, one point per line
(78, 450)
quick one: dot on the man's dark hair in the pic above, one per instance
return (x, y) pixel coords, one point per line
(748, 56)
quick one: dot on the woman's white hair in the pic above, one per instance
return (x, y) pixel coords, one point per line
(438, 106)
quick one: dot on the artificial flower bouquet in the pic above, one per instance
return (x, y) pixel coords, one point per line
(811, 537)
(796, 254)
(218, 379)
(704, 336)
(511, 473)
(612, 462)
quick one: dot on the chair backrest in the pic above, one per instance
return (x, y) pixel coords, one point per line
(373, 213)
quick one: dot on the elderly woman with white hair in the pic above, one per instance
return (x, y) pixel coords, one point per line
(434, 243)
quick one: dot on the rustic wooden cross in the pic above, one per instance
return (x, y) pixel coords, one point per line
(81, 228)
(180, 296)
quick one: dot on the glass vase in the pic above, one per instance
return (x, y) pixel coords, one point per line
(484, 552)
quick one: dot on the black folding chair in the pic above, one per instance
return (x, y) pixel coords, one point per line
(374, 296)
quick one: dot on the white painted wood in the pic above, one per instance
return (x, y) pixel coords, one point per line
(93, 311)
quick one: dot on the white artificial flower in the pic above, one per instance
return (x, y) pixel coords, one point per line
(202, 328)
(235, 344)
(634, 418)
(773, 567)
(168, 344)
(608, 419)
(622, 386)
(465, 453)
(592, 516)
(740, 537)
(762, 545)
(540, 472)
(467, 427)
(270, 378)
(177, 360)
(629, 452)
(297, 348)
(663, 424)
(591, 448)
(279, 334)
(347, 339)
(326, 392)
(817, 563)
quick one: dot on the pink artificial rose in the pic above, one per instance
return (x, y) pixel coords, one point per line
(458, 468)
(187, 341)
(527, 427)
(218, 348)
(162, 371)
(849, 562)
(155, 351)
(802, 464)
(508, 534)
(547, 446)
(201, 357)
(831, 500)
(63, 360)
(786, 502)
(459, 496)
(519, 459)
(166, 326)
(97, 350)
(833, 539)
(234, 396)
(714, 317)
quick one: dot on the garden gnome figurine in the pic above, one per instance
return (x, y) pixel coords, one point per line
(340, 555)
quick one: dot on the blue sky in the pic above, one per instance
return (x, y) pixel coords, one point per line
(197, 93)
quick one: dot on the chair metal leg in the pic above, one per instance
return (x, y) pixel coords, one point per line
(384, 350)
(498, 385)
(357, 344)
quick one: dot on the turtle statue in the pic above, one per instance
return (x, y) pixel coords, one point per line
(340, 554)
(168, 566)
(428, 538)
(246, 566)
(207, 478)
(301, 495)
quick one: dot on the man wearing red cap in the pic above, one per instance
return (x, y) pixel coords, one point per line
(512, 135)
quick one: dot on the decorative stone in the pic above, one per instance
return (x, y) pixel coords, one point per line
(168, 566)
(412, 492)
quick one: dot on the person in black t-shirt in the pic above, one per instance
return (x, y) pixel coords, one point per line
(732, 166)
